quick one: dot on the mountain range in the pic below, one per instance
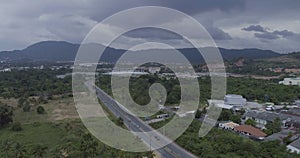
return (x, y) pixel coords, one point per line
(57, 51)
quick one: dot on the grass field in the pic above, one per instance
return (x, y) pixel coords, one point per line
(56, 110)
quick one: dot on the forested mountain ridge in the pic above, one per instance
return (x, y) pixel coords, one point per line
(56, 51)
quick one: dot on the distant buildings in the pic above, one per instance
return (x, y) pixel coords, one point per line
(153, 70)
(231, 101)
(263, 117)
(290, 81)
(6, 70)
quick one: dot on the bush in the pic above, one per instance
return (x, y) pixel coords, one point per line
(26, 108)
(16, 126)
(40, 110)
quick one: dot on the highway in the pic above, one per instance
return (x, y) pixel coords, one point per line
(135, 124)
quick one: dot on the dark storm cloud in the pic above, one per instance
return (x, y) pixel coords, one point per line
(218, 34)
(285, 33)
(26, 23)
(153, 33)
(266, 34)
(161, 34)
(256, 28)
(194, 7)
(190, 7)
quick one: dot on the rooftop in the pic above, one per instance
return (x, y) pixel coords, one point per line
(251, 130)
(270, 116)
(296, 144)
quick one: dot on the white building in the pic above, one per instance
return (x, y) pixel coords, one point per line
(228, 125)
(154, 70)
(6, 70)
(294, 146)
(290, 81)
(234, 100)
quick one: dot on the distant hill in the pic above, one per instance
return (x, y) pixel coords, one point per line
(55, 51)
(291, 60)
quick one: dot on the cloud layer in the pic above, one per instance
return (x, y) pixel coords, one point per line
(232, 23)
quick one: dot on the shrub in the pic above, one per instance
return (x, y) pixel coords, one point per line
(26, 108)
(40, 110)
(16, 126)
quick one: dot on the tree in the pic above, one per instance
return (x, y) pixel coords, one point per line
(40, 110)
(26, 107)
(21, 102)
(274, 126)
(120, 121)
(250, 122)
(199, 113)
(225, 115)
(39, 150)
(88, 146)
(235, 118)
(16, 126)
(6, 114)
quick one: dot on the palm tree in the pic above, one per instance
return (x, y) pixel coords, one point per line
(39, 150)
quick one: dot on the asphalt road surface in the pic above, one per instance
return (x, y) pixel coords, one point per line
(152, 140)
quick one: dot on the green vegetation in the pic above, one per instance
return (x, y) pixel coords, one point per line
(60, 139)
(42, 83)
(273, 127)
(37, 95)
(222, 143)
(250, 122)
(40, 110)
(252, 89)
(16, 126)
(6, 114)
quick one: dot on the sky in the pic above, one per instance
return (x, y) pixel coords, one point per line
(264, 24)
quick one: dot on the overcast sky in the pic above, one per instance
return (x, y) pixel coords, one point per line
(265, 24)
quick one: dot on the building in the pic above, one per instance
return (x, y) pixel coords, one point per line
(250, 131)
(162, 116)
(153, 70)
(282, 134)
(294, 146)
(297, 102)
(263, 117)
(290, 81)
(234, 100)
(6, 70)
(228, 125)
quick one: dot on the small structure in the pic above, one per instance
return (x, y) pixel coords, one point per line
(297, 102)
(153, 70)
(250, 131)
(234, 100)
(162, 116)
(290, 81)
(6, 70)
(294, 146)
(228, 125)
